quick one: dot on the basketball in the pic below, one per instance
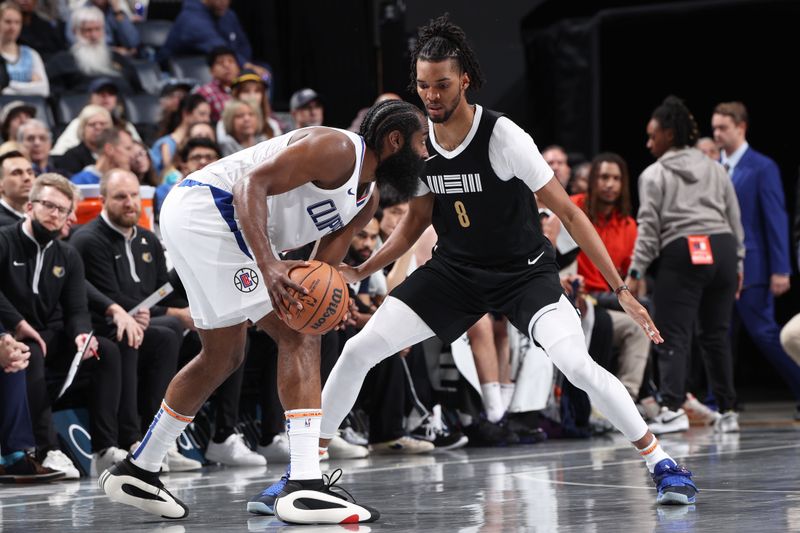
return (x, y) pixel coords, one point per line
(325, 304)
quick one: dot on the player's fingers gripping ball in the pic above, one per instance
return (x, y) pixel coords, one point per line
(327, 300)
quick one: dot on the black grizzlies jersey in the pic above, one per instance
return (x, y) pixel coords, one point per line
(479, 218)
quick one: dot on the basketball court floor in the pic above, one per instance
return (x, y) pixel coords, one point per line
(748, 481)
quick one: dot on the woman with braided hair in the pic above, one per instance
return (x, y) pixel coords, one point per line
(478, 191)
(689, 217)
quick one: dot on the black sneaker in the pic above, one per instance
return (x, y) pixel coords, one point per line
(484, 433)
(527, 433)
(314, 502)
(28, 470)
(127, 483)
(433, 429)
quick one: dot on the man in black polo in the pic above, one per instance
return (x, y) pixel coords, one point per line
(43, 302)
(126, 263)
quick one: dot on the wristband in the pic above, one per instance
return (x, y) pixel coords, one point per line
(621, 288)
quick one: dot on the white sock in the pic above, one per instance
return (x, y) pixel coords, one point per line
(653, 454)
(165, 428)
(492, 401)
(302, 426)
(507, 394)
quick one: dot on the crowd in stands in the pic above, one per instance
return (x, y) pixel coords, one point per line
(81, 185)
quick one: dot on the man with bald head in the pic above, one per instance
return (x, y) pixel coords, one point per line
(126, 263)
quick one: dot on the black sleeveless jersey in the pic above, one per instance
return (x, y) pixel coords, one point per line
(480, 219)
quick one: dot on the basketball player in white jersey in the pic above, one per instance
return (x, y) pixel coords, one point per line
(224, 227)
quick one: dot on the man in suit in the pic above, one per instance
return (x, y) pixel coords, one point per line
(757, 181)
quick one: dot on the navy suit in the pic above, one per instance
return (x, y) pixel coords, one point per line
(757, 181)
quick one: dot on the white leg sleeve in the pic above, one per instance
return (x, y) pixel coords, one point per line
(559, 332)
(393, 327)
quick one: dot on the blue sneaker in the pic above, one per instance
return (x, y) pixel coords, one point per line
(674, 484)
(264, 503)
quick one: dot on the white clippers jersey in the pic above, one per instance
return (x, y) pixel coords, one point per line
(302, 215)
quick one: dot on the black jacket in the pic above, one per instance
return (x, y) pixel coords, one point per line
(125, 271)
(8, 217)
(74, 160)
(58, 300)
(45, 37)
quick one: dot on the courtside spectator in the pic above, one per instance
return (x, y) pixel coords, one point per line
(306, 108)
(193, 109)
(557, 158)
(115, 148)
(224, 69)
(13, 115)
(142, 165)
(92, 122)
(250, 86)
(104, 93)
(43, 35)
(23, 63)
(121, 34)
(35, 137)
(89, 57)
(204, 25)
(16, 181)
(243, 123)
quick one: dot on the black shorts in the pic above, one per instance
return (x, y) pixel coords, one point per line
(451, 297)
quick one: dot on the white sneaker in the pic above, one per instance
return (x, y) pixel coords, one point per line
(234, 452)
(57, 460)
(669, 421)
(727, 422)
(277, 450)
(338, 448)
(353, 437)
(402, 446)
(699, 414)
(106, 459)
(175, 461)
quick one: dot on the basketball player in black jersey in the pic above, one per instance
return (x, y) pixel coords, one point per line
(477, 190)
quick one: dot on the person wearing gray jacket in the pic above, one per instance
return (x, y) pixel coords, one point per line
(689, 218)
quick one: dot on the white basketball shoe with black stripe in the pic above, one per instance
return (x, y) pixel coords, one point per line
(314, 502)
(127, 483)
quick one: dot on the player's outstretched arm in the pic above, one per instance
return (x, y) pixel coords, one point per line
(581, 229)
(408, 230)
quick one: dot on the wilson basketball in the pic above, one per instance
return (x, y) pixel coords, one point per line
(325, 304)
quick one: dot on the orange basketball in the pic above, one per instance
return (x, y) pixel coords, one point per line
(325, 304)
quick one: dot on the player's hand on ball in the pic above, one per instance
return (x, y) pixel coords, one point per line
(637, 312)
(276, 277)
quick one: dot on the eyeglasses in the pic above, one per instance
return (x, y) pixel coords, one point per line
(201, 157)
(50, 206)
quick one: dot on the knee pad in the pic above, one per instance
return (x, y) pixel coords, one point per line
(559, 321)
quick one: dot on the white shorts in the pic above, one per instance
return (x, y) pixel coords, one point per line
(204, 242)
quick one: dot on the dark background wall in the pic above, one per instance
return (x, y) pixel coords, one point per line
(583, 74)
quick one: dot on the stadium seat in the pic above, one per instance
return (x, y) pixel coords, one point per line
(148, 74)
(190, 67)
(68, 106)
(144, 111)
(153, 32)
(43, 111)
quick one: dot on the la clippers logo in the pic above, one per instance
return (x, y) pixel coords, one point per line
(246, 279)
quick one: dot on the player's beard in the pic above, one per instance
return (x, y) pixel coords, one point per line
(400, 172)
(448, 110)
(93, 59)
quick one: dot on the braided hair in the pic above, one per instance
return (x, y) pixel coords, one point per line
(441, 40)
(674, 115)
(388, 116)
